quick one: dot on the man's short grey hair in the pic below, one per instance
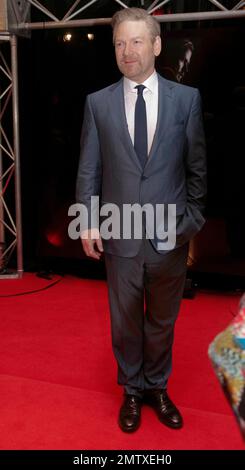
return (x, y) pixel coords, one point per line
(136, 14)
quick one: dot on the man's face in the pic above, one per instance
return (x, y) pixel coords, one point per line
(183, 65)
(135, 50)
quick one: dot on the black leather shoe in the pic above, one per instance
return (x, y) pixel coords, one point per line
(130, 411)
(166, 411)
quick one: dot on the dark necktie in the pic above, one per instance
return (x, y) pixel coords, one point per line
(140, 127)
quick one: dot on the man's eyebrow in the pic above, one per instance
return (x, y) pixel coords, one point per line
(131, 39)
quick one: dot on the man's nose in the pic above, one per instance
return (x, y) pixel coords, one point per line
(127, 49)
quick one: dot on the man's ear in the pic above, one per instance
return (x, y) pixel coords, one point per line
(157, 45)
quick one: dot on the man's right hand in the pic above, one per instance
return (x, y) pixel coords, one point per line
(92, 243)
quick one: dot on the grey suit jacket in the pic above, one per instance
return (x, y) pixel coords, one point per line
(175, 172)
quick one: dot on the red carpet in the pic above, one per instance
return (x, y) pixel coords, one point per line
(58, 376)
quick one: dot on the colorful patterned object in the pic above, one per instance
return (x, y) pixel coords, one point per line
(227, 353)
(238, 328)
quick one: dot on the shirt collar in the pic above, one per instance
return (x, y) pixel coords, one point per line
(150, 83)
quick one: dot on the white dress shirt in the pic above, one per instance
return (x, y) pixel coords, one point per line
(150, 94)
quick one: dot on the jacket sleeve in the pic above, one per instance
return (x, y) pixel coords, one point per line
(196, 156)
(195, 161)
(195, 168)
(89, 169)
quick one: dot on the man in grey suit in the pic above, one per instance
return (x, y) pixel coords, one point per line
(143, 143)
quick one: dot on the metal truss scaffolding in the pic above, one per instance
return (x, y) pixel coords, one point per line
(10, 207)
(18, 18)
(77, 9)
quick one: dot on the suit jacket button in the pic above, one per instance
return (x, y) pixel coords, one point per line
(143, 178)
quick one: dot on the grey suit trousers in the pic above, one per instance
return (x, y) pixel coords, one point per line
(145, 292)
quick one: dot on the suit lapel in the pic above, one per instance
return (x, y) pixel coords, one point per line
(118, 115)
(164, 113)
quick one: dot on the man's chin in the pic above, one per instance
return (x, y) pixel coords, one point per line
(129, 72)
